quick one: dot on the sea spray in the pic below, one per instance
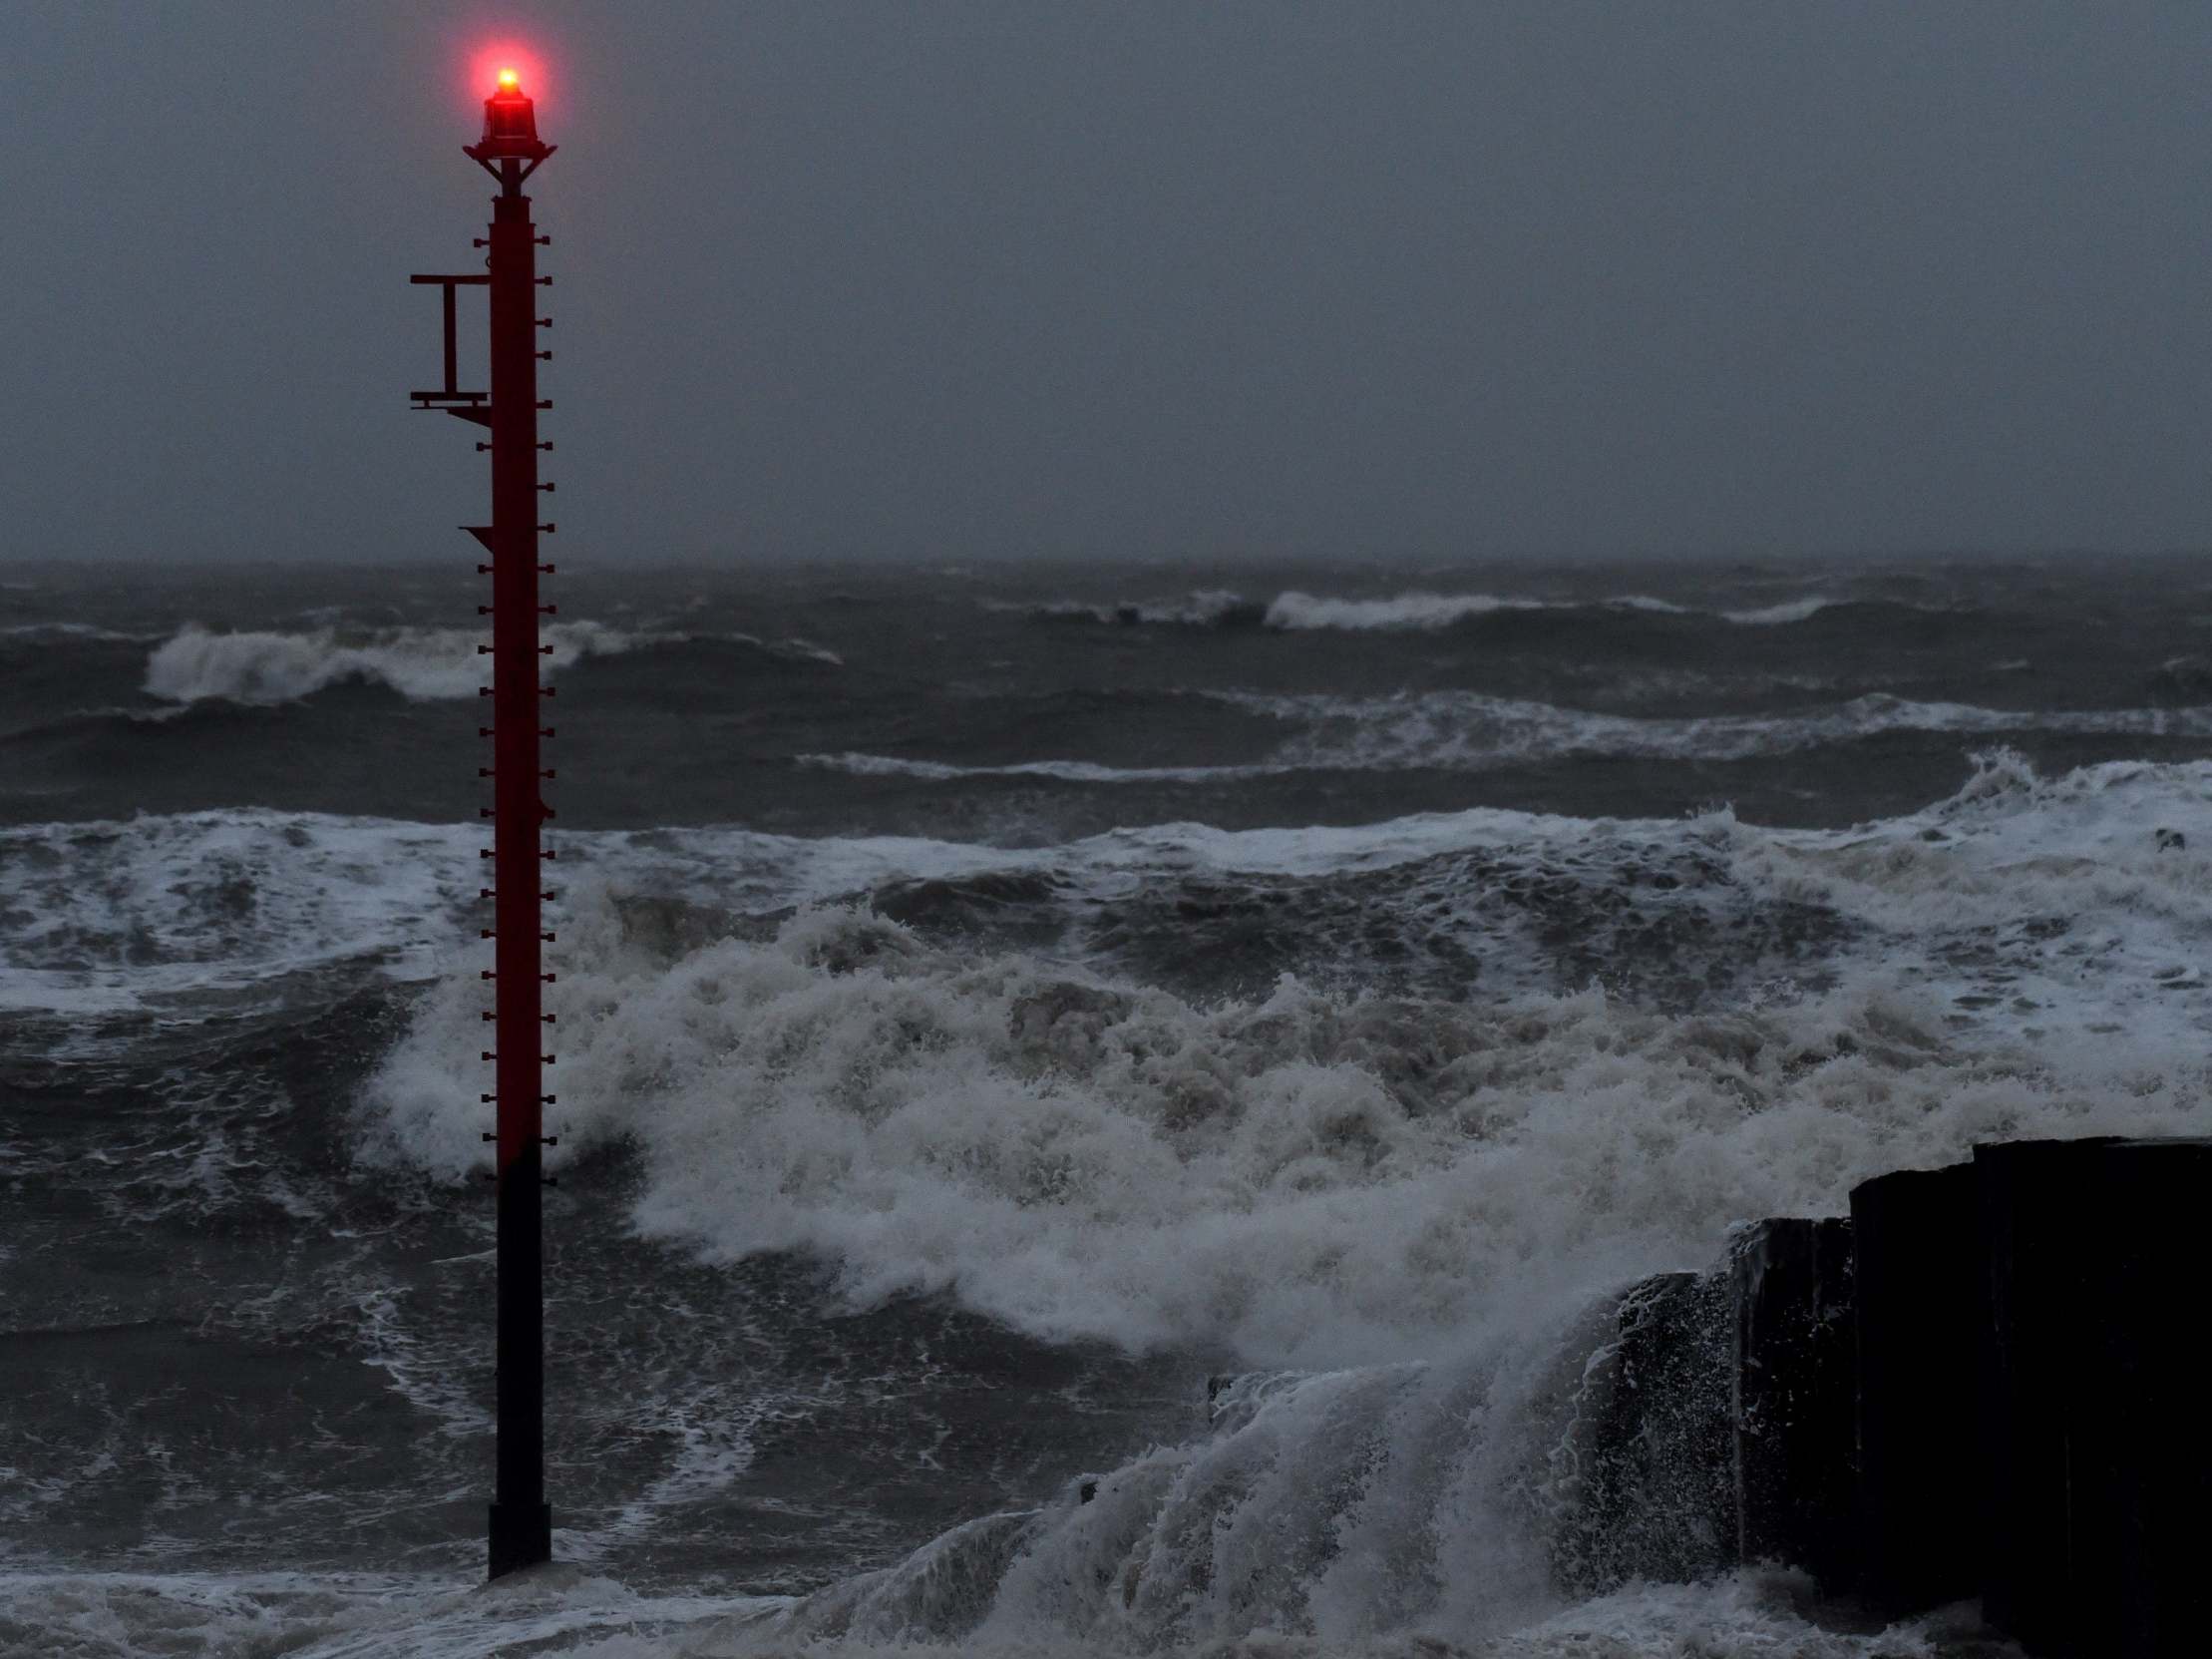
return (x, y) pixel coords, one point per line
(1409, 1217)
(1388, 1073)
(1306, 1179)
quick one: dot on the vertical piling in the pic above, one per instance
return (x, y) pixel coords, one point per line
(2099, 1476)
(1923, 1305)
(1793, 1401)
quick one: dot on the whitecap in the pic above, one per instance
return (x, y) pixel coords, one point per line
(420, 663)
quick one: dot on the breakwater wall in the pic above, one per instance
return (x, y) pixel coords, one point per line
(1988, 1382)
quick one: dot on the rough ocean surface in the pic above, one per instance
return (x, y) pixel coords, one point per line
(992, 1004)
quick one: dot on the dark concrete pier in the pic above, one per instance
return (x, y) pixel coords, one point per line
(2099, 1461)
(1987, 1382)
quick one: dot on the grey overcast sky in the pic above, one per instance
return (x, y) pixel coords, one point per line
(958, 281)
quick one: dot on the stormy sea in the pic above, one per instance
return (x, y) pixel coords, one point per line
(1100, 1111)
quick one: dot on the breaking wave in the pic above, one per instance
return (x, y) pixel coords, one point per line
(1774, 615)
(1406, 1221)
(1205, 608)
(1304, 1179)
(2043, 904)
(112, 917)
(420, 663)
(1400, 1217)
(1312, 1177)
(1469, 731)
(45, 631)
(1415, 610)
(1419, 612)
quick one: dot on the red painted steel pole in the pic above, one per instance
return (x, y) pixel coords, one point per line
(521, 1524)
(510, 150)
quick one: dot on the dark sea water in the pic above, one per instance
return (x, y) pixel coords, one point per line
(991, 1003)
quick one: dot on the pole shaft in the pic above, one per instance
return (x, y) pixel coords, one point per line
(520, 1531)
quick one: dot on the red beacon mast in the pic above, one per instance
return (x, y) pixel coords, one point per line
(511, 151)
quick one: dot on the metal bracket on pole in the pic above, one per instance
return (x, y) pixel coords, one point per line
(451, 397)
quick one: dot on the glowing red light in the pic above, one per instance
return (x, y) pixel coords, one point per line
(505, 68)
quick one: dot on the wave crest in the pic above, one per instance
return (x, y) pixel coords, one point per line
(1202, 608)
(1306, 1179)
(421, 663)
(1410, 612)
(1471, 732)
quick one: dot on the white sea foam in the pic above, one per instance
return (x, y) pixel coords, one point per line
(67, 631)
(357, 1615)
(350, 1615)
(809, 651)
(1415, 610)
(1788, 610)
(114, 915)
(1294, 610)
(1387, 1510)
(1418, 1198)
(1411, 611)
(107, 918)
(1468, 731)
(1422, 611)
(1425, 1202)
(1464, 730)
(1312, 1178)
(1062, 771)
(418, 663)
(1202, 608)
(1304, 1180)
